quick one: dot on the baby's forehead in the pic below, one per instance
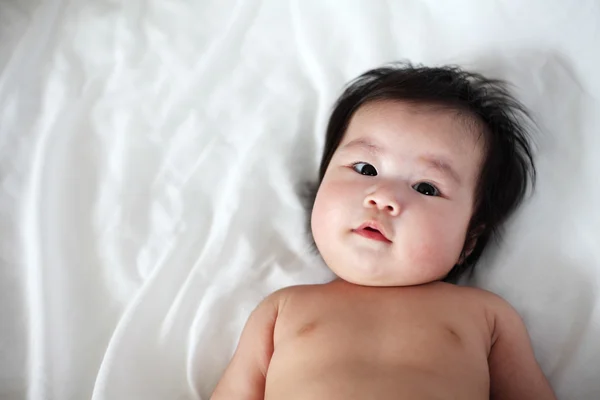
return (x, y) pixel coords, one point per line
(410, 117)
(455, 113)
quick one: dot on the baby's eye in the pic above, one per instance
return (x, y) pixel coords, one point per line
(365, 169)
(426, 188)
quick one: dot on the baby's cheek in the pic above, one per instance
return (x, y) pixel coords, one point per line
(423, 248)
(324, 213)
(331, 195)
(316, 221)
(452, 247)
(432, 251)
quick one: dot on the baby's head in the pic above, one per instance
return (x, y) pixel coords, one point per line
(421, 167)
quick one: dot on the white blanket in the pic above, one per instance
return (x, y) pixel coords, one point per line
(152, 154)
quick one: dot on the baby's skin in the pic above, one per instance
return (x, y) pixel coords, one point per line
(390, 220)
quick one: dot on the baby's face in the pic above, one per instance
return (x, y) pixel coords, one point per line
(395, 202)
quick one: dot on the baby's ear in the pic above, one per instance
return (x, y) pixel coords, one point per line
(471, 242)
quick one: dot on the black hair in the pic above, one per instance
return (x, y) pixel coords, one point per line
(504, 122)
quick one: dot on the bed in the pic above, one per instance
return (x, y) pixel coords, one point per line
(153, 156)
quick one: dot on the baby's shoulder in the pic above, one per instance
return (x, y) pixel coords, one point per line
(496, 308)
(488, 298)
(480, 296)
(282, 296)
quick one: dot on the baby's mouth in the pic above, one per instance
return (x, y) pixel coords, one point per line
(371, 231)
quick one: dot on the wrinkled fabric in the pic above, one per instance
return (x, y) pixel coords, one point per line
(154, 156)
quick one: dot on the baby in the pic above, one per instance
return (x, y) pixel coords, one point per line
(420, 169)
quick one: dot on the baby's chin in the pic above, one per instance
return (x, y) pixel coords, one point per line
(382, 280)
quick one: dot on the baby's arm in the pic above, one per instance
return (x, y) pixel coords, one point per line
(244, 378)
(514, 371)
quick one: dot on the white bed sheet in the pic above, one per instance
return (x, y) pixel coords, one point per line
(151, 155)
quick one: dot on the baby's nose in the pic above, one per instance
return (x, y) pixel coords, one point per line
(383, 200)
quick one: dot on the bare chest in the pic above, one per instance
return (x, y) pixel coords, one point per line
(379, 339)
(382, 326)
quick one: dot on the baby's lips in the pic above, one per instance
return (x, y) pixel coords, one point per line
(373, 230)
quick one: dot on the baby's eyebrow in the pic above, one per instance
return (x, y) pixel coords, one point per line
(442, 166)
(366, 144)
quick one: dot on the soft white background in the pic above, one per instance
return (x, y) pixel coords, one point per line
(152, 154)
